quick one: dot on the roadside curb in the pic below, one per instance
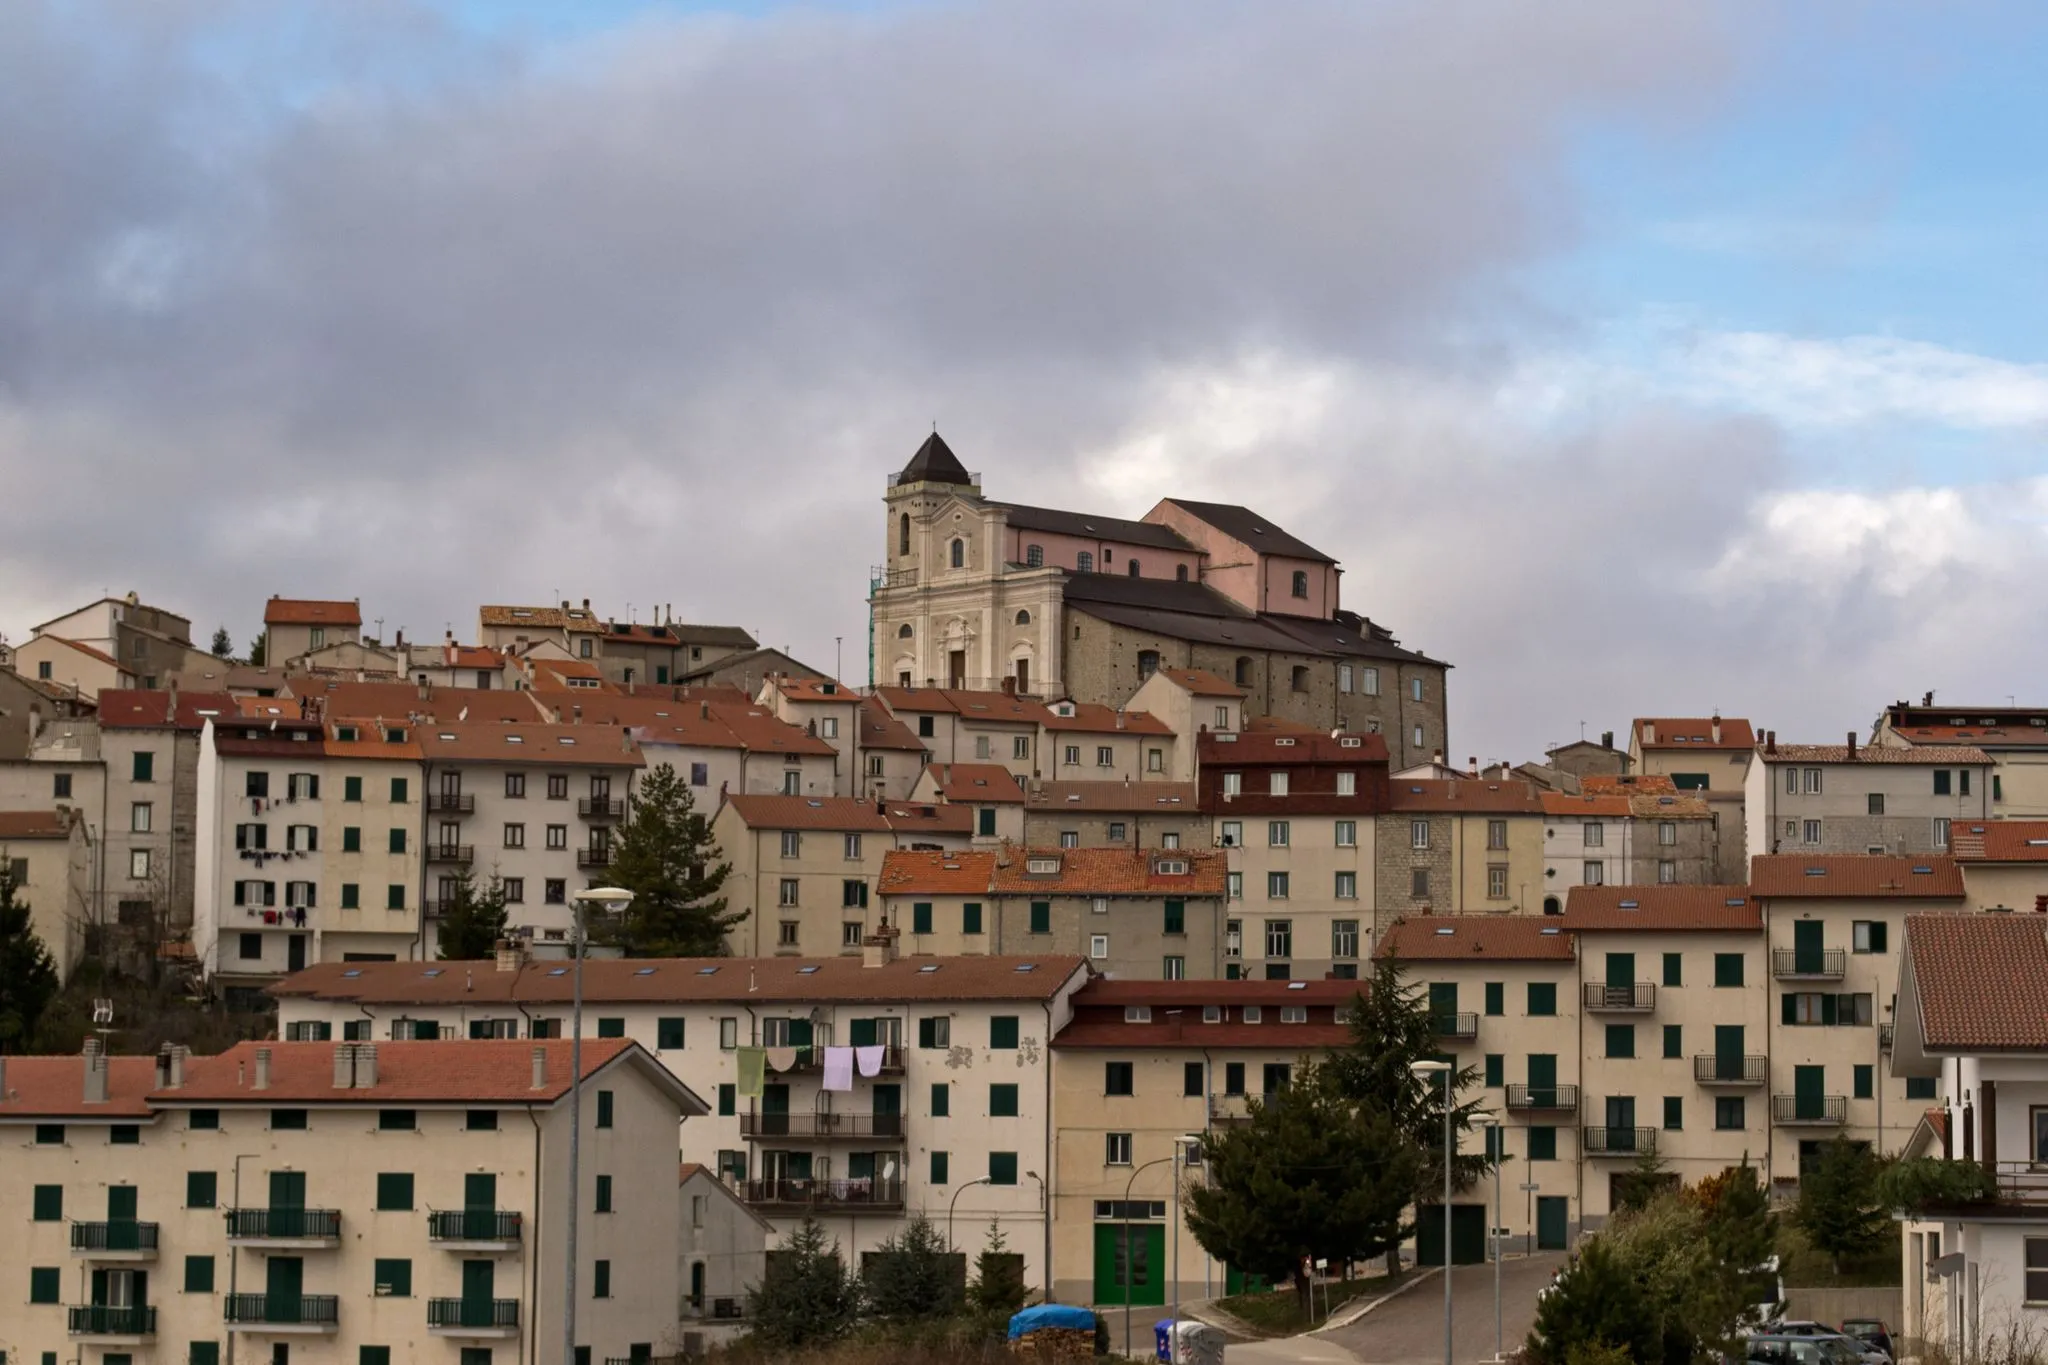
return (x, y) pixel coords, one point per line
(1353, 1315)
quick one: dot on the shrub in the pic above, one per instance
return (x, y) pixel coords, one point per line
(1916, 1184)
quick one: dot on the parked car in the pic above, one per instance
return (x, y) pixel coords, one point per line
(1873, 1334)
(1776, 1348)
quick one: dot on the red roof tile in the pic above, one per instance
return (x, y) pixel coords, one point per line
(1862, 876)
(1698, 909)
(2000, 841)
(849, 813)
(1081, 872)
(880, 730)
(581, 746)
(396, 702)
(1201, 683)
(1475, 938)
(2020, 736)
(34, 824)
(1273, 1037)
(1933, 755)
(1129, 798)
(1266, 748)
(1694, 733)
(475, 1071)
(288, 611)
(1981, 981)
(987, 783)
(1608, 784)
(1096, 719)
(1105, 990)
(1469, 795)
(54, 1088)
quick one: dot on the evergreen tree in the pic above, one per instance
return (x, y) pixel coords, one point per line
(1313, 1174)
(1594, 1308)
(256, 659)
(222, 645)
(913, 1276)
(1839, 1209)
(998, 1289)
(28, 975)
(667, 858)
(807, 1297)
(1741, 1230)
(474, 919)
(1645, 1181)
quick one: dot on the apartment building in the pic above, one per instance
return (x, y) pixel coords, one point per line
(295, 627)
(1140, 1066)
(955, 1119)
(1460, 846)
(723, 1254)
(805, 868)
(962, 725)
(1504, 993)
(1860, 798)
(2016, 738)
(827, 710)
(360, 1202)
(576, 631)
(150, 748)
(891, 755)
(1147, 913)
(1189, 702)
(60, 770)
(1835, 925)
(993, 799)
(1296, 815)
(28, 705)
(1625, 830)
(1115, 814)
(1081, 741)
(2004, 863)
(116, 642)
(1707, 756)
(48, 863)
(1675, 1030)
(449, 664)
(80, 669)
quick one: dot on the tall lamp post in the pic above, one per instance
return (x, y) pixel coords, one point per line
(1496, 1145)
(954, 1203)
(606, 900)
(1426, 1070)
(1045, 1217)
(1128, 1258)
(1181, 1145)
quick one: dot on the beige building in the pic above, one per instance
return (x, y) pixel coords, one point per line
(1462, 846)
(2004, 864)
(1148, 913)
(1708, 756)
(957, 725)
(327, 1201)
(48, 864)
(1504, 993)
(2016, 738)
(723, 1255)
(84, 670)
(955, 1120)
(1625, 830)
(145, 645)
(891, 756)
(1114, 814)
(296, 627)
(1859, 798)
(150, 749)
(829, 711)
(1082, 742)
(1190, 703)
(993, 799)
(1141, 1065)
(805, 868)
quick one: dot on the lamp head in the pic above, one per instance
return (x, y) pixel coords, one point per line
(1428, 1068)
(610, 900)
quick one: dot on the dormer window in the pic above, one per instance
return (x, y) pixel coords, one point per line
(1042, 867)
(1137, 1014)
(1173, 867)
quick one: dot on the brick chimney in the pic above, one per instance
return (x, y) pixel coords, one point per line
(1852, 746)
(540, 1068)
(1714, 727)
(366, 1066)
(262, 1081)
(879, 948)
(1649, 732)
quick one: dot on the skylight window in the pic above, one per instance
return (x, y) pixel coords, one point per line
(434, 971)
(807, 971)
(1445, 933)
(1297, 985)
(1923, 871)
(1735, 901)
(1631, 905)
(353, 971)
(1025, 967)
(929, 967)
(515, 739)
(643, 971)
(558, 971)
(707, 971)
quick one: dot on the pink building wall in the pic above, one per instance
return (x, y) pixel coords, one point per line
(1063, 551)
(1249, 577)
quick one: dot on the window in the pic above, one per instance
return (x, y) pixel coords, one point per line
(142, 768)
(394, 1190)
(604, 1108)
(392, 1277)
(1497, 882)
(199, 1274)
(1542, 1144)
(1118, 831)
(788, 894)
(1941, 833)
(1542, 998)
(1811, 831)
(600, 1273)
(394, 894)
(668, 1033)
(398, 791)
(1674, 969)
(1941, 782)
(1176, 917)
(515, 836)
(728, 1099)
(1276, 784)
(1728, 1115)
(138, 864)
(1496, 998)
(44, 1284)
(1173, 967)
(985, 822)
(970, 917)
(1674, 1113)
(397, 1121)
(1418, 834)
(1233, 883)
(1002, 1168)
(1594, 873)
(1418, 883)
(935, 1032)
(1922, 1087)
(49, 1204)
(1002, 1033)
(1674, 1045)
(603, 1202)
(1496, 1069)
(1347, 886)
(1098, 946)
(199, 1120)
(1298, 678)
(1002, 1101)
(1621, 1040)
(1865, 1080)
(1276, 886)
(139, 817)
(1727, 969)
(1084, 562)
(481, 1121)
(941, 1164)
(1347, 834)
(1869, 936)
(1279, 938)
(1277, 833)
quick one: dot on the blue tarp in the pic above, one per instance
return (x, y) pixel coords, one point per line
(1047, 1315)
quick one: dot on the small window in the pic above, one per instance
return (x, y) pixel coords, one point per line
(1003, 1033)
(394, 1191)
(1118, 1078)
(397, 1121)
(1084, 562)
(604, 1108)
(392, 1277)
(1002, 1101)
(1300, 587)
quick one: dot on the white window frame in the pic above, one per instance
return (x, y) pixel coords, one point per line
(1344, 938)
(1418, 834)
(1347, 784)
(1346, 833)
(1098, 946)
(1279, 834)
(1595, 873)
(1233, 784)
(1276, 784)
(1346, 888)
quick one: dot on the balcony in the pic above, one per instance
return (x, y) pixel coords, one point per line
(1460, 1027)
(594, 857)
(473, 1317)
(464, 854)
(823, 1126)
(1710, 1069)
(826, 1195)
(113, 1326)
(273, 1313)
(810, 1059)
(602, 808)
(1556, 1099)
(897, 578)
(1629, 1142)
(1790, 964)
(1818, 1111)
(475, 1229)
(123, 1240)
(1884, 1037)
(284, 1228)
(1638, 997)
(451, 803)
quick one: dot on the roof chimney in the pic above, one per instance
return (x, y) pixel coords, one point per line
(879, 948)
(366, 1066)
(1472, 765)
(179, 1054)
(1927, 700)
(1770, 741)
(586, 604)
(163, 1067)
(1436, 756)
(1714, 727)
(1852, 746)
(1649, 729)
(262, 1069)
(1607, 739)
(344, 1066)
(540, 1068)
(511, 954)
(95, 1071)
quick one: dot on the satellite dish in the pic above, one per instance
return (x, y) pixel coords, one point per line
(102, 1012)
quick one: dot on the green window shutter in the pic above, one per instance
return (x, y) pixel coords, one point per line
(1674, 1040)
(373, 1355)
(49, 1204)
(1788, 1008)
(198, 1353)
(397, 1121)
(45, 1284)
(352, 839)
(1002, 1101)
(1674, 1113)
(927, 1033)
(398, 841)
(1542, 1144)
(1041, 917)
(1176, 917)
(1193, 1079)
(1674, 969)
(970, 917)
(1496, 997)
(288, 1120)
(668, 1033)
(351, 896)
(144, 769)
(1727, 969)
(394, 1190)
(394, 897)
(604, 1108)
(1866, 1079)
(1002, 1031)
(1879, 933)
(49, 1135)
(398, 794)
(601, 1280)
(202, 1189)
(1621, 1040)
(728, 1099)
(1922, 1088)
(351, 788)
(199, 1274)
(206, 1119)
(392, 1277)
(604, 1195)
(942, 1101)
(986, 824)
(939, 1172)
(1002, 1168)
(1496, 1069)
(613, 1026)
(1827, 1009)
(920, 917)
(124, 1135)
(1543, 998)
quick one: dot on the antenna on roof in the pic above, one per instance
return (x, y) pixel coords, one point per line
(103, 1021)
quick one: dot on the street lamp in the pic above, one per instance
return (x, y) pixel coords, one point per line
(1128, 1258)
(1426, 1070)
(1181, 1145)
(1497, 1149)
(984, 1180)
(606, 900)
(1045, 1218)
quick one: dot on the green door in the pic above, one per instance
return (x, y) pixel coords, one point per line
(1468, 1234)
(1807, 953)
(774, 1111)
(479, 1206)
(287, 1204)
(122, 1232)
(284, 1282)
(1543, 1079)
(1145, 1268)
(479, 1286)
(1809, 1092)
(888, 1111)
(1621, 971)
(1443, 1001)
(1553, 1221)
(1728, 1052)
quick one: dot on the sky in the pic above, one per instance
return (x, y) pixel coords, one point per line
(1633, 359)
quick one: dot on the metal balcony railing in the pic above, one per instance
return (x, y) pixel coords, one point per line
(291, 1224)
(486, 1313)
(812, 1058)
(1550, 1098)
(1884, 1037)
(594, 857)
(451, 853)
(1635, 997)
(451, 803)
(284, 1310)
(1712, 1069)
(1793, 964)
(1830, 1111)
(102, 1320)
(118, 1235)
(824, 1194)
(474, 1225)
(602, 808)
(1464, 1026)
(1620, 1141)
(821, 1125)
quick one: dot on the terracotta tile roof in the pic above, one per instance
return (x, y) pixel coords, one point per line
(577, 619)
(270, 708)
(472, 656)
(782, 980)
(1273, 747)
(816, 689)
(809, 812)
(1197, 1036)
(1699, 909)
(987, 783)
(290, 611)
(551, 745)
(1104, 990)
(372, 747)
(408, 702)
(1471, 796)
(1133, 798)
(54, 1088)
(1613, 804)
(916, 872)
(960, 702)
(34, 824)
(1609, 784)
(1470, 938)
(1201, 683)
(909, 818)
(1929, 754)
(1980, 736)
(1695, 732)
(1861, 876)
(762, 731)
(1980, 981)
(880, 730)
(1606, 807)
(650, 707)
(1095, 718)
(1082, 872)
(2000, 841)
(477, 1071)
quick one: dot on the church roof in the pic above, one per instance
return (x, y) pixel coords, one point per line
(935, 462)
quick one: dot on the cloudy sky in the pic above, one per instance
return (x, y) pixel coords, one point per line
(1634, 358)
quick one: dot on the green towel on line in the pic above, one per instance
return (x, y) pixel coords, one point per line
(753, 1064)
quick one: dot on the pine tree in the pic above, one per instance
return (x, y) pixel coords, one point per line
(1594, 1307)
(667, 858)
(913, 1276)
(807, 1297)
(28, 975)
(1740, 1229)
(1839, 1209)
(222, 645)
(256, 659)
(473, 920)
(998, 1289)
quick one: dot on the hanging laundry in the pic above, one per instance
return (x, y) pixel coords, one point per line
(870, 1059)
(838, 1068)
(782, 1058)
(751, 1079)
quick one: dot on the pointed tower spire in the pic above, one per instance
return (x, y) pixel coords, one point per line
(935, 462)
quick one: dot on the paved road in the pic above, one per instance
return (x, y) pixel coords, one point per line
(1409, 1330)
